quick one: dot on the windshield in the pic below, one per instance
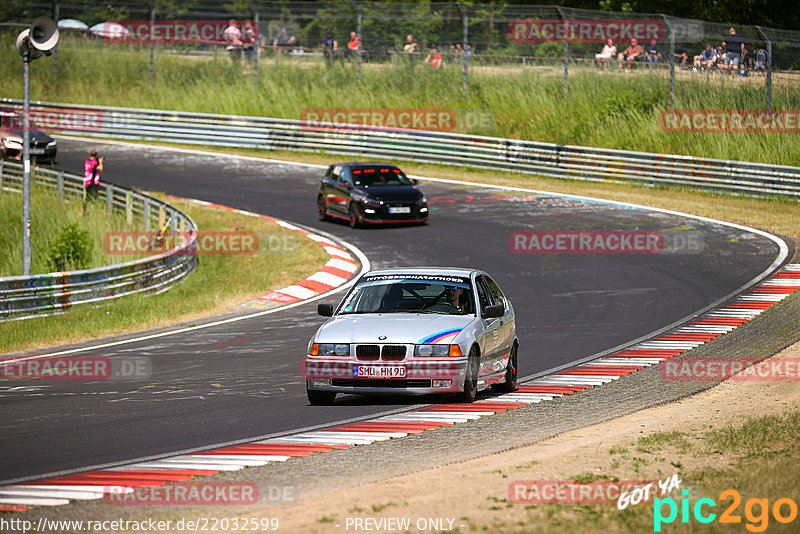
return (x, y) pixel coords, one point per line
(371, 176)
(445, 295)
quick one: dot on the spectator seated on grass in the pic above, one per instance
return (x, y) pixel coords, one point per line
(652, 53)
(631, 54)
(707, 58)
(608, 52)
(434, 59)
(680, 56)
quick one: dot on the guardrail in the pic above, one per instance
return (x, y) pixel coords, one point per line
(22, 297)
(531, 157)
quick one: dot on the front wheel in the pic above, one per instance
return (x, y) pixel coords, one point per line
(320, 398)
(471, 377)
(322, 212)
(354, 218)
(510, 383)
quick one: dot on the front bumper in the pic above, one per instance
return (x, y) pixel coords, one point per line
(380, 214)
(421, 374)
(40, 153)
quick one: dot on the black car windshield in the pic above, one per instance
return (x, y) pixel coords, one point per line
(441, 295)
(370, 176)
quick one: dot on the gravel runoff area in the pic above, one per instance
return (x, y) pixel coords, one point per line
(303, 484)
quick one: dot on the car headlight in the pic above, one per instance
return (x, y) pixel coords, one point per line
(361, 197)
(51, 144)
(433, 351)
(334, 349)
(422, 200)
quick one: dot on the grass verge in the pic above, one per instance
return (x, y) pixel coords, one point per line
(220, 283)
(612, 109)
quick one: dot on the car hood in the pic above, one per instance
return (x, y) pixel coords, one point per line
(392, 192)
(17, 135)
(397, 327)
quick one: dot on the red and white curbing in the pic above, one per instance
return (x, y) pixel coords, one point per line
(124, 479)
(337, 271)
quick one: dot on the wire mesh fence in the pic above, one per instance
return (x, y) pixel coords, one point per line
(467, 40)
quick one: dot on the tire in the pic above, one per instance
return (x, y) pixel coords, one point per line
(471, 378)
(320, 398)
(354, 220)
(322, 213)
(510, 383)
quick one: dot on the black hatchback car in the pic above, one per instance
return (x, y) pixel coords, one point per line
(370, 193)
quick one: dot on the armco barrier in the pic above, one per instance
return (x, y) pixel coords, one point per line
(545, 159)
(27, 296)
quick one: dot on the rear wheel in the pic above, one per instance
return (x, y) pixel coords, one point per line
(471, 377)
(511, 374)
(354, 219)
(320, 398)
(322, 213)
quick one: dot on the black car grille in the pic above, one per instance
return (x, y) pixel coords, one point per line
(414, 383)
(393, 352)
(368, 352)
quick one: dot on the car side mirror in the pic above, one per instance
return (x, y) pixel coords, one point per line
(325, 310)
(494, 311)
(415, 181)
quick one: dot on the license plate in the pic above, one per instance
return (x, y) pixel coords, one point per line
(403, 209)
(379, 371)
(37, 151)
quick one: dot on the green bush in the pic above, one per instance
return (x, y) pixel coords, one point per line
(72, 250)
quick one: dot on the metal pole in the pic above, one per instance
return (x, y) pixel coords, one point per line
(26, 170)
(152, 41)
(566, 49)
(56, 14)
(465, 18)
(358, 36)
(768, 80)
(671, 62)
(257, 48)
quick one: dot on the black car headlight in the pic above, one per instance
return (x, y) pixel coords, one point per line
(334, 349)
(364, 199)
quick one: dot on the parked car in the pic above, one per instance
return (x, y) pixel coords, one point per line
(370, 193)
(415, 331)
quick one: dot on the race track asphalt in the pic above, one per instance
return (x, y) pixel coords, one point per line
(242, 380)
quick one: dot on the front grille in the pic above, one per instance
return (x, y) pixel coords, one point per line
(393, 352)
(368, 352)
(414, 383)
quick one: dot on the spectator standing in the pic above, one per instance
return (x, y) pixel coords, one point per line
(410, 47)
(248, 41)
(631, 54)
(707, 58)
(652, 54)
(233, 36)
(734, 50)
(92, 168)
(608, 52)
(434, 59)
(283, 41)
(330, 47)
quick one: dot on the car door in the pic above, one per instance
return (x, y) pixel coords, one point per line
(338, 195)
(491, 328)
(505, 328)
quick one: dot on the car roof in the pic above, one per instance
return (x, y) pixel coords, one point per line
(446, 271)
(367, 164)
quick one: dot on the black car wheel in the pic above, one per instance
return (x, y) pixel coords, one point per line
(322, 212)
(471, 378)
(354, 218)
(320, 398)
(510, 383)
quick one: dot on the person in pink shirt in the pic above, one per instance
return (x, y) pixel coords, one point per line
(92, 168)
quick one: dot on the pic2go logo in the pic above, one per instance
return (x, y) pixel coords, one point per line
(756, 511)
